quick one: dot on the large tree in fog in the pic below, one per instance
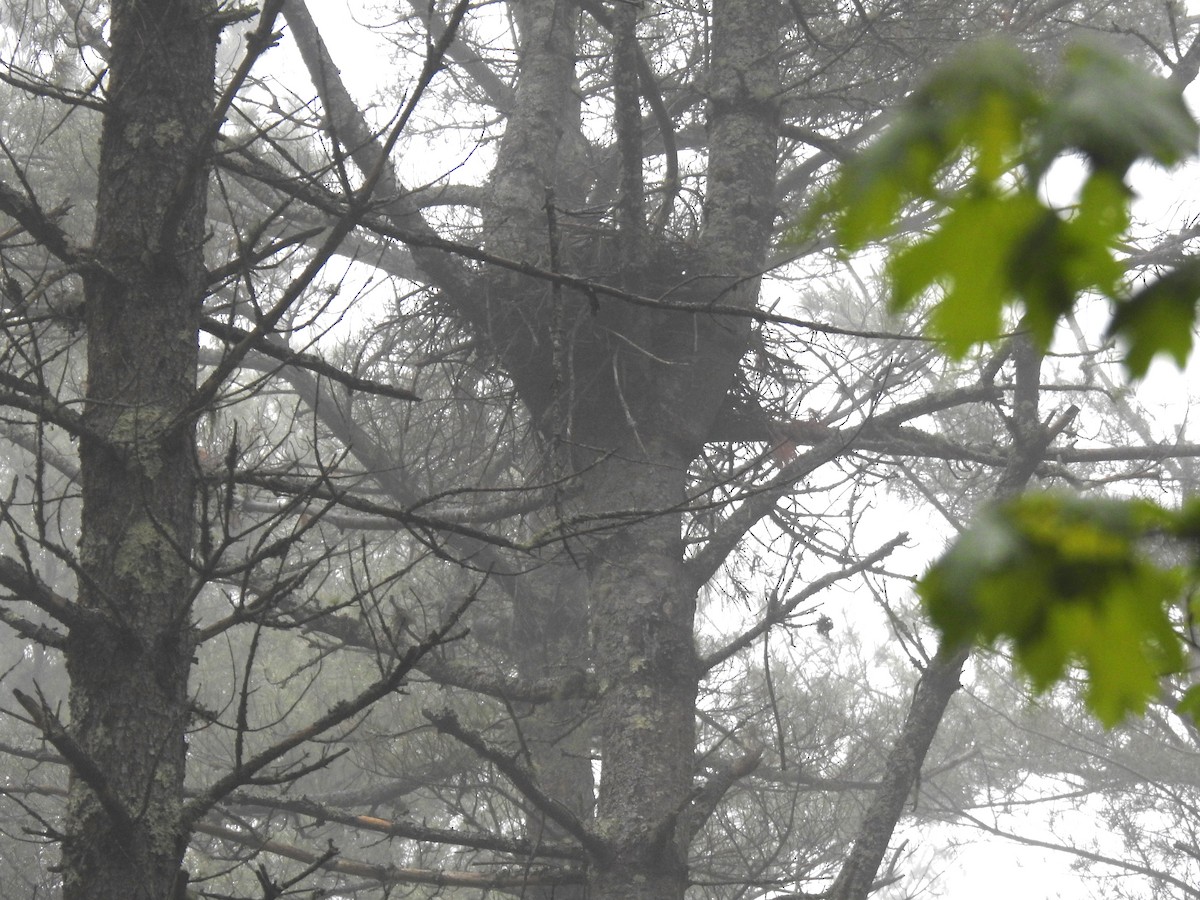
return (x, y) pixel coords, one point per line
(622, 414)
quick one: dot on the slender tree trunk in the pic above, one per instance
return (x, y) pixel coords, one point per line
(645, 657)
(939, 680)
(549, 640)
(129, 668)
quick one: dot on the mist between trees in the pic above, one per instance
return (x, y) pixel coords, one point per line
(461, 490)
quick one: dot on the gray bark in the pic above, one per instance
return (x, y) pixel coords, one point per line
(627, 410)
(129, 663)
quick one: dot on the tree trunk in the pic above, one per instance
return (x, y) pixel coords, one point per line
(129, 667)
(625, 411)
(549, 640)
(645, 657)
(939, 680)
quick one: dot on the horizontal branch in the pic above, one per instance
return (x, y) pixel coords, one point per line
(420, 238)
(410, 830)
(30, 630)
(390, 473)
(28, 587)
(322, 491)
(778, 612)
(24, 395)
(31, 83)
(351, 631)
(523, 779)
(578, 685)
(40, 225)
(528, 876)
(231, 334)
(392, 874)
(832, 444)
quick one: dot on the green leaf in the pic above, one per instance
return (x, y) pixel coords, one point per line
(977, 285)
(1185, 523)
(983, 121)
(1189, 703)
(1038, 269)
(1066, 580)
(1159, 319)
(977, 103)
(1132, 645)
(1064, 257)
(1114, 113)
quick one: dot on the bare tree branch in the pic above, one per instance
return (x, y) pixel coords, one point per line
(525, 781)
(388, 875)
(81, 763)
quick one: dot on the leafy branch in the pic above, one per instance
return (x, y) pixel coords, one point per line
(1067, 580)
